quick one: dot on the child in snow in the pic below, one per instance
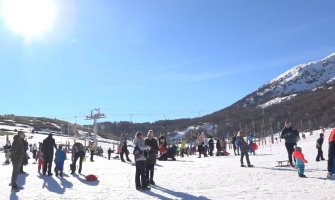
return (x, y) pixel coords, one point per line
(319, 143)
(7, 151)
(40, 158)
(300, 161)
(60, 157)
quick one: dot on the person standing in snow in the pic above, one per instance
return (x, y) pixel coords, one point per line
(78, 151)
(7, 151)
(218, 147)
(319, 143)
(109, 153)
(223, 145)
(124, 148)
(242, 144)
(250, 140)
(291, 136)
(162, 143)
(152, 157)
(331, 153)
(211, 145)
(233, 140)
(48, 152)
(17, 154)
(140, 149)
(40, 162)
(60, 157)
(25, 157)
(206, 146)
(183, 147)
(201, 142)
(92, 149)
(34, 151)
(300, 161)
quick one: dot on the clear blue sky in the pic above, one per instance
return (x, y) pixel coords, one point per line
(178, 58)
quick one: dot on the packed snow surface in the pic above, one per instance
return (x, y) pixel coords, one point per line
(187, 178)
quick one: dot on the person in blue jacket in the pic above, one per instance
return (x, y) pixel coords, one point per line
(250, 140)
(60, 157)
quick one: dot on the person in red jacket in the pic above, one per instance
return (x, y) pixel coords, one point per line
(300, 161)
(331, 152)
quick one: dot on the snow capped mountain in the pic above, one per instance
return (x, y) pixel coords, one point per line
(303, 77)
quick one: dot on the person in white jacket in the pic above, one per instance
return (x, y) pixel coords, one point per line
(140, 154)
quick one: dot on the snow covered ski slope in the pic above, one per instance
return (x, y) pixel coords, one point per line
(187, 178)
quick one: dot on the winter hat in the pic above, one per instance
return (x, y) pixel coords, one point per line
(321, 134)
(297, 148)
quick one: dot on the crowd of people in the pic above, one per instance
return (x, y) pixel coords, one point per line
(44, 155)
(146, 151)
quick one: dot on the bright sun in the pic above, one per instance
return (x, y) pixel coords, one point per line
(30, 18)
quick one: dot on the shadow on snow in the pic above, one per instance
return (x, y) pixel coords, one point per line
(53, 186)
(21, 181)
(181, 195)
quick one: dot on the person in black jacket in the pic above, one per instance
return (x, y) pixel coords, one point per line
(218, 147)
(319, 143)
(25, 157)
(48, 151)
(152, 156)
(16, 155)
(291, 136)
(124, 147)
(211, 145)
(109, 153)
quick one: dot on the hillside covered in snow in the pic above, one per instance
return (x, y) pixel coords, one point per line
(304, 77)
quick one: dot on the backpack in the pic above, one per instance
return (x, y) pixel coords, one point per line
(137, 152)
(91, 177)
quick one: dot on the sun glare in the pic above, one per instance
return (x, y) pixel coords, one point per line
(30, 18)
